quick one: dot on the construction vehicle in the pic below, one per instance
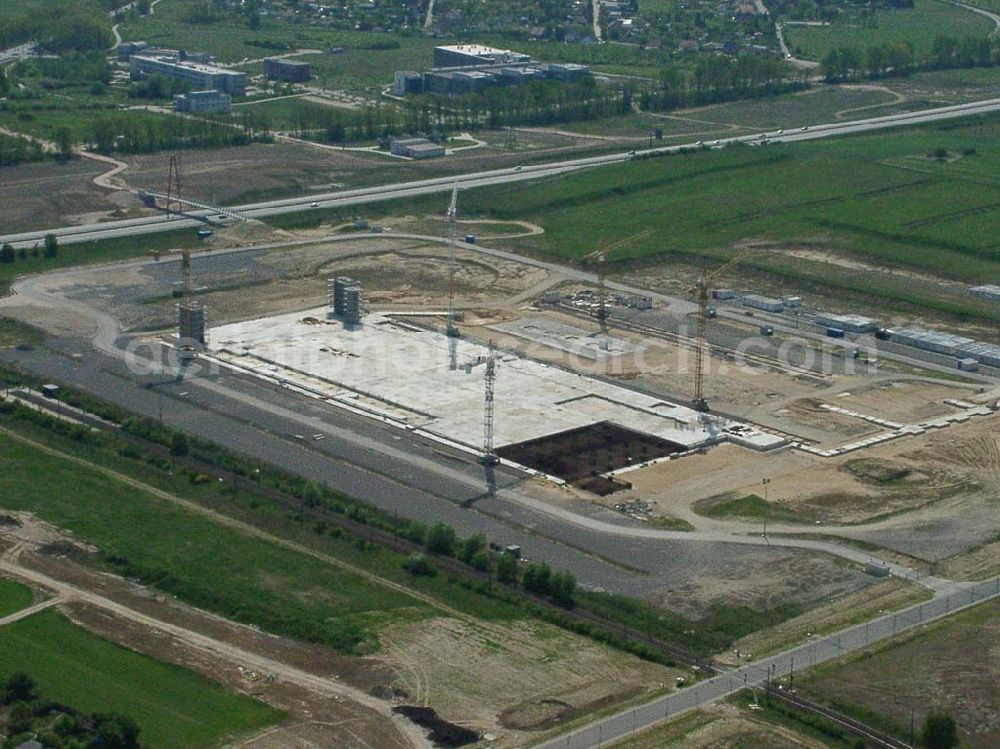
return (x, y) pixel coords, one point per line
(599, 257)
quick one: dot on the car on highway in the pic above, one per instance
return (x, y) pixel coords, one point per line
(314, 205)
(518, 168)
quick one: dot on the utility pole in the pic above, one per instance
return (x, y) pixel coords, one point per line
(765, 482)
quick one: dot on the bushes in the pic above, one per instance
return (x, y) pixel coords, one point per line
(539, 579)
(418, 566)
(441, 539)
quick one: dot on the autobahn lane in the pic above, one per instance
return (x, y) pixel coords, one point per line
(151, 224)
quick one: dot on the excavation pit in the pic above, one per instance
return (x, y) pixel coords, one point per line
(584, 456)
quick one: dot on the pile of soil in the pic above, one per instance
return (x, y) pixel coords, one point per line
(440, 731)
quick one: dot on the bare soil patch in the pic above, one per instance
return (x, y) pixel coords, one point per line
(514, 679)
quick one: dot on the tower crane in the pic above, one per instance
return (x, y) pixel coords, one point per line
(451, 330)
(700, 291)
(599, 257)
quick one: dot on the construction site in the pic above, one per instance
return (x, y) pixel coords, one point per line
(709, 450)
(665, 406)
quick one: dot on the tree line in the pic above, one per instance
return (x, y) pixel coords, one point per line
(129, 133)
(505, 567)
(61, 26)
(19, 151)
(55, 726)
(716, 79)
(898, 58)
(537, 103)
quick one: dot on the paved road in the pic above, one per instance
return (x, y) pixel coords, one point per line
(846, 641)
(150, 224)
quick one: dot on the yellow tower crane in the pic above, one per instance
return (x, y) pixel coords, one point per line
(700, 291)
(599, 257)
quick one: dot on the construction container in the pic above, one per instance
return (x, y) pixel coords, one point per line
(204, 233)
(877, 570)
(835, 332)
(723, 294)
(470, 238)
(792, 301)
(968, 364)
(50, 391)
(762, 303)
(883, 334)
(850, 323)
(766, 330)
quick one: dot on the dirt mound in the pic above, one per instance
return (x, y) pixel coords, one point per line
(878, 472)
(536, 715)
(440, 731)
(67, 549)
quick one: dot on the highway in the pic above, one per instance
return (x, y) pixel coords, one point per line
(781, 665)
(344, 198)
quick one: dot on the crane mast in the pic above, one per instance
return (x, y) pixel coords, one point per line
(489, 456)
(700, 402)
(451, 329)
(600, 257)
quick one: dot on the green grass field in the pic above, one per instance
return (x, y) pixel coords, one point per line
(174, 708)
(879, 197)
(918, 26)
(13, 597)
(212, 566)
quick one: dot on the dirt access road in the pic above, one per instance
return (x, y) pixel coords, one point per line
(78, 597)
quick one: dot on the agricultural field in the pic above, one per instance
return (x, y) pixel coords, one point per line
(174, 708)
(919, 199)
(434, 653)
(918, 26)
(951, 665)
(151, 538)
(13, 597)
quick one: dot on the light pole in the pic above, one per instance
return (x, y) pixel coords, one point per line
(765, 482)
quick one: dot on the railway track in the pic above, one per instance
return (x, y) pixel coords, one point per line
(870, 734)
(386, 539)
